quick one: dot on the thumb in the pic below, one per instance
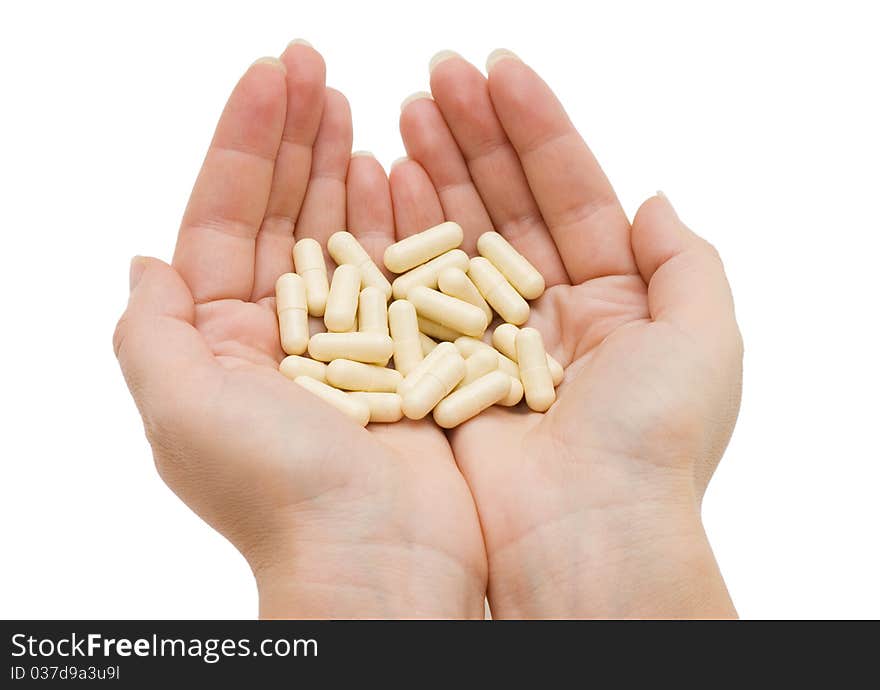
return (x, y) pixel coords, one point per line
(687, 286)
(155, 341)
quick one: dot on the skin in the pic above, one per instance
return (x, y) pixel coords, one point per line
(590, 510)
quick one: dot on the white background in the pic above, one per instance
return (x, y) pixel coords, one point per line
(760, 122)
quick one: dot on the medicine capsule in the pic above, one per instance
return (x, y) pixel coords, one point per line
(448, 311)
(478, 364)
(342, 301)
(442, 350)
(467, 346)
(468, 401)
(515, 394)
(345, 249)
(514, 266)
(423, 246)
(294, 366)
(427, 273)
(357, 376)
(384, 407)
(370, 348)
(434, 385)
(293, 314)
(500, 294)
(455, 283)
(504, 340)
(427, 343)
(372, 311)
(308, 260)
(436, 330)
(404, 327)
(533, 370)
(348, 405)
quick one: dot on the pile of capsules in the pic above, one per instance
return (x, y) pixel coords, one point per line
(439, 293)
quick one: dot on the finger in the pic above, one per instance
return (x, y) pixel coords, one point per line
(576, 200)
(687, 285)
(414, 199)
(428, 141)
(370, 218)
(323, 209)
(155, 341)
(215, 246)
(305, 103)
(462, 94)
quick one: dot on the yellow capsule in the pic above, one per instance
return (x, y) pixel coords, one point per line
(448, 311)
(455, 283)
(436, 330)
(372, 311)
(370, 348)
(468, 401)
(434, 385)
(442, 350)
(427, 273)
(533, 370)
(384, 407)
(294, 366)
(515, 394)
(500, 294)
(345, 249)
(342, 301)
(423, 246)
(352, 407)
(357, 376)
(478, 364)
(467, 346)
(308, 260)
(504, 340)
(427, 343)
(293, 315)
(514, 266)
(405, 334)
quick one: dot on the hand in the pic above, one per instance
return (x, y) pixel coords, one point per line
(594, 508)
(334, 520)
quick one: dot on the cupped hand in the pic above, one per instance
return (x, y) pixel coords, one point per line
(335, 520)
(592, 509)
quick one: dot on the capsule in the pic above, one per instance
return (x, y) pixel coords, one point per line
(348, 405)
(454, 282)
(427, 273)
(533, 370)
(423, 246)
(504, 340)
(345, 249)
(427, 343)
(500, 294)
(436, 330)
(515, 394)
(468, 401)
(342, 301)
(384, 407)
(434, 385)
(294, 366)
(293, 314)
(372, 311)
(438, 353)
(370, 348)
(448, 311)
(405, 334)
(308, 260)
(527, 280)
(467, 346)
(357, 376)
(478, 364)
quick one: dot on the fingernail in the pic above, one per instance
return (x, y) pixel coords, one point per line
(272, 61)
(418, 95)
(300, 42)
(398, 161)
(365, 154)
(665, 199)
(135, 271)
(497, 56)
(441, 57)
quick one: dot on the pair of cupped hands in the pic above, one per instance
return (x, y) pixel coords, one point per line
(592, 509)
